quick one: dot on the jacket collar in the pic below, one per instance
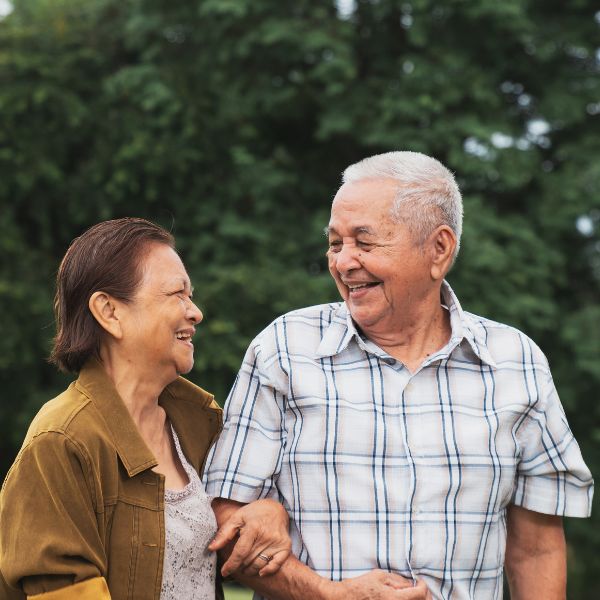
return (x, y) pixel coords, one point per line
(189, 408)
(342, 330)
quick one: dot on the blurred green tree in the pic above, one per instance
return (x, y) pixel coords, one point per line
(229, 121)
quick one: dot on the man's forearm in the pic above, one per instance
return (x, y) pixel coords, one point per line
(536, 565)
(539, 576)
(294, 581)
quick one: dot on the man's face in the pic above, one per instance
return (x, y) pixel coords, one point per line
(376, 265)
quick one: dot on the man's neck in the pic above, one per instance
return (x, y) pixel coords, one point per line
(414, 334)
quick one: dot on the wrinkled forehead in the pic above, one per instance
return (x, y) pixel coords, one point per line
(382, 188)
(363, 207)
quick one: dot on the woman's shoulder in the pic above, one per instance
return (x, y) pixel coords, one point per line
(71, 415)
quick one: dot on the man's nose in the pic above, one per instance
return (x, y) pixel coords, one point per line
(347, 258)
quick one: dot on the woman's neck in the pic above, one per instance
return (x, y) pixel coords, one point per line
(138, 390)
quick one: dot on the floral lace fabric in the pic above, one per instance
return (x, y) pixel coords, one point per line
(189, 568)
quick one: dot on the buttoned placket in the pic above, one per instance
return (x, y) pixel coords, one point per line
(402, 381)
(404, 385)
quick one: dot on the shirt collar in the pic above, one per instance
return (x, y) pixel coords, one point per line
(184, 403)
(342, 330)
(465, 327)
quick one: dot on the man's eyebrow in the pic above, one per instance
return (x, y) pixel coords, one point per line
(364, 229)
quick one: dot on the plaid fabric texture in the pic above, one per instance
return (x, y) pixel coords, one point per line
(381, 468)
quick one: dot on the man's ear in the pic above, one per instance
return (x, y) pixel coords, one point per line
(443, 243)
(104, 309)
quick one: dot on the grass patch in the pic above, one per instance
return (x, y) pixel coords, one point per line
(237, 593)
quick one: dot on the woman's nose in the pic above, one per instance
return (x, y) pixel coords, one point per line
(195, 313)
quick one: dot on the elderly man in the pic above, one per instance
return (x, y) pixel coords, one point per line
(409, 440)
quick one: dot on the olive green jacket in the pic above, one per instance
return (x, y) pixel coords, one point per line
(81, 511)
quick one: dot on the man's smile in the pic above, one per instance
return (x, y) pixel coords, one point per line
(358, 289)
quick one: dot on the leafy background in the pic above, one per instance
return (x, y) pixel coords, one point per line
(229, 122)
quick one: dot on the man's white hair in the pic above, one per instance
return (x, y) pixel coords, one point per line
(427, 197)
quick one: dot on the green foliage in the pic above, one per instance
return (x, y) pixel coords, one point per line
(230, 122)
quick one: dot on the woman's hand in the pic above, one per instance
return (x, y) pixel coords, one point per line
(263, 543)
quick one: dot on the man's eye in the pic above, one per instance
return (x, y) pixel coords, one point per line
(335, 246)
(365, 245)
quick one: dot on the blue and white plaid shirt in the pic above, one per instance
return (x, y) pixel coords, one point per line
(381, 468)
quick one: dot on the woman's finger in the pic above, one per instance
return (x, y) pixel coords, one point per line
(226, 533)
(255, 567)
(243, 549)
(276, 562)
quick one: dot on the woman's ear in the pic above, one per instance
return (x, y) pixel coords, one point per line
(443, 242)
(104, 309)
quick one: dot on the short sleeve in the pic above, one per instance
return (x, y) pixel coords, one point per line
(552, 477)
(49, 536)
(246, 460)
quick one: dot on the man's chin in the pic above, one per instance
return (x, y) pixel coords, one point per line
(364, 317)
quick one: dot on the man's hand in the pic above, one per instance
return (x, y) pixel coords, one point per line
(536, 564)
(380, 585)
(263, 544)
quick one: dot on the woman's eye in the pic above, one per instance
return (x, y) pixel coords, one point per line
(182, 294)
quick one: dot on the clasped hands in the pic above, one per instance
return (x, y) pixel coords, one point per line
(263, 545)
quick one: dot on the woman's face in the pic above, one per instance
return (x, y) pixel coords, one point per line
(159, 323)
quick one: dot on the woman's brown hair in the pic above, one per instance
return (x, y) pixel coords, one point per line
(107, 258)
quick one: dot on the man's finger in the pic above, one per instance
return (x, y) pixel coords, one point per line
(397, 582)
(418, 592)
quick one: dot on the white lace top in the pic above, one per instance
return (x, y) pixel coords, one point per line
(189, 568)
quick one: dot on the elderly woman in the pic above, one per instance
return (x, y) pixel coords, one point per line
(105, 499)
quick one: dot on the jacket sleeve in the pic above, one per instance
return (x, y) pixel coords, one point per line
(50, 541)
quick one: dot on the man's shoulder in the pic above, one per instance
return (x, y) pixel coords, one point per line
(505, 343)
(311, 317)
(298, 329)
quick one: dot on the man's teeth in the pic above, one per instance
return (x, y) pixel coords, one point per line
(362, 285)
(183, 336)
